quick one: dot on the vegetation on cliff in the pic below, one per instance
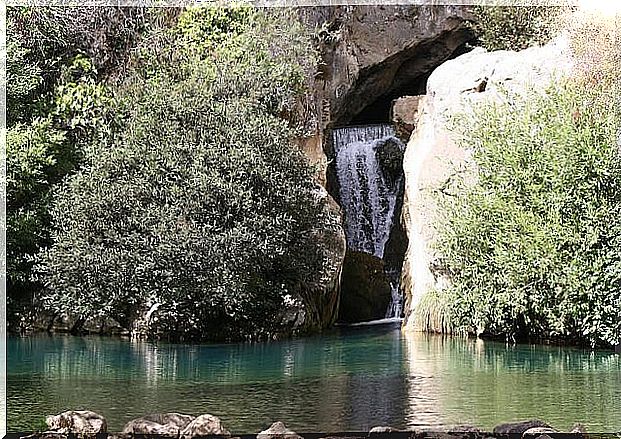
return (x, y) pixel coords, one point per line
(533, 246)
(515, 27)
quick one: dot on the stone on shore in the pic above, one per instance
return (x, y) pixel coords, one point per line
(205, 425)
(278, 430)
(77, 421)
(519, 427)
(161, 424)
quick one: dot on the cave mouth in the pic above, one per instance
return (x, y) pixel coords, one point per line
(379, 110)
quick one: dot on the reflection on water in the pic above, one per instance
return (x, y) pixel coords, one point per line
(352, 379)
(460, 381)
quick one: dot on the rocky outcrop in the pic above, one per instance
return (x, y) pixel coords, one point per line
(81, 422)
(433, 158)
(366, 289)
(164, 424)
(278, 430)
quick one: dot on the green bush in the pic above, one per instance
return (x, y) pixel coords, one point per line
(56, 60)
(515, 27)
(199, 208)
(534, 246)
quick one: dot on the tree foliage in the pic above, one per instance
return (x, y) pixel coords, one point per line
(534, 246)
(198, 208)
(57, 60)
(516, 27)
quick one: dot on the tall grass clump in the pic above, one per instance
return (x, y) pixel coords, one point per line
(433, 313)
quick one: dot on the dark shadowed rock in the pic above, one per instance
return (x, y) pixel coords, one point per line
(313, 304)
(278, 430)
(365, 291)
(519, 427)
(163, 424)
(77, 421)
(205, 425)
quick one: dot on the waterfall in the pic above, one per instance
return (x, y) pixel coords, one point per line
(370, 180)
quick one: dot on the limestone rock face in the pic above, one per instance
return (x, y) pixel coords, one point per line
(372, 51)
(82, 422)
(404, 115)
(366, 289)
(432, 156)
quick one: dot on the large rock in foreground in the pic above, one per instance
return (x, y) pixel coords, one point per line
(83, 422)
(520, 427)
(278, 430)
(165, 424)
(432, 155)
(204, 425)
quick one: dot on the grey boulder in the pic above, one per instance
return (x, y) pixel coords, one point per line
(77, 421)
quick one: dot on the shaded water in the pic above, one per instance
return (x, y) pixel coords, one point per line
(352, 379)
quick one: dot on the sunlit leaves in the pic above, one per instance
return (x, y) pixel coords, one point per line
(534, 247)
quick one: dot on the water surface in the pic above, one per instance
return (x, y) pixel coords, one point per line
(348, 380)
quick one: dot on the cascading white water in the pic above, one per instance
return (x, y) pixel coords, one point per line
(368, 195)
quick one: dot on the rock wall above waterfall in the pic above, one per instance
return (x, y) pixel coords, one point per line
(432, 154)
(370, 52)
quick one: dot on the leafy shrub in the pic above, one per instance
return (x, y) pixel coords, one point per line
(199, 208)
(534, 247)
(56, 59)
(515, 27)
